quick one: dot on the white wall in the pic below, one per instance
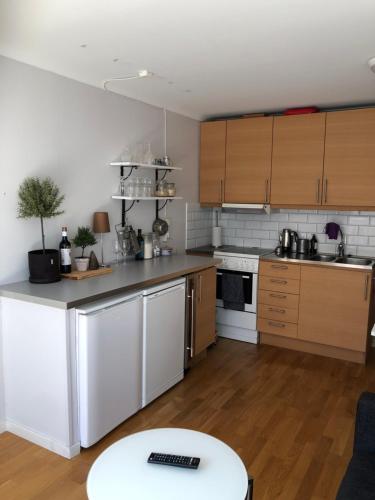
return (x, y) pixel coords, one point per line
(51, 125)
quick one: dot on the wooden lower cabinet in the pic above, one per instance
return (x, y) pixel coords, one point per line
(204, 310)
(328, 311)
(278, 298)
(334, 307)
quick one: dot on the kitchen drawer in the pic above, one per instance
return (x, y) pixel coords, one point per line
(278, 299)
(280, 269)
(278, 313)
(277, 327)
(278, 284)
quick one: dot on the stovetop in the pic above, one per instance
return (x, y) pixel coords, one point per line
(250, 251)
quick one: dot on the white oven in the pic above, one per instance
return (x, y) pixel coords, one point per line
(230, 323)
(249, 284)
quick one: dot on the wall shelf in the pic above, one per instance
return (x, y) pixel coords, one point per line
(134, 166)
(141, 198)
(131, 164)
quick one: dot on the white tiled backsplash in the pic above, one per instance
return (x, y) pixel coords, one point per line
(262, 230)
(199, 222)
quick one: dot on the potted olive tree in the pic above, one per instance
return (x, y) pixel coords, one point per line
(84, 238)
(41, 198)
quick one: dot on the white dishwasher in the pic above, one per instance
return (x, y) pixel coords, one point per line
(163, 338)
(109, 352)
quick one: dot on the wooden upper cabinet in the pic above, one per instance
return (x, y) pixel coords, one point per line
(334, 307)
(248, 160)
(349, 164)
(212, 162)
(297, 159)
(204, 330)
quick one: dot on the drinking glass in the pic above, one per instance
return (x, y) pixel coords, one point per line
(116, 249)
(137, 187)
(130, 188)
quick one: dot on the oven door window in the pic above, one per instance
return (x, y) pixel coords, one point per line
(247, 283)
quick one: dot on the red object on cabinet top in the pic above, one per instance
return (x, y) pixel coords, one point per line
(301, 111)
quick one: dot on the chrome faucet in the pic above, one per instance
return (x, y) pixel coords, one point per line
(341, 246)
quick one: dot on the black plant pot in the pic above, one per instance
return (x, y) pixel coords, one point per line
(44, 267)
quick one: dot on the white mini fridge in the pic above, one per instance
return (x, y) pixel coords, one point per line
(109, 352)
(163, 338)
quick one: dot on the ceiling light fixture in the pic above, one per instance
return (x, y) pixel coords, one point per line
(371, 64)
(142, 73)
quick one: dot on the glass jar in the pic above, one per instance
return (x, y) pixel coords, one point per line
(122, 186)
(156, 245)
(161, 188)
(171, 189)
(148, 245)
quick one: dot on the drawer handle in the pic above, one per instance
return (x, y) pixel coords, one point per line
(277, 325)
(273, 309)
(281, 282)
(279, 266)
(277, 296)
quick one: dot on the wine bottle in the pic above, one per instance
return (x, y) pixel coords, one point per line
(140, 255)
(65, 252)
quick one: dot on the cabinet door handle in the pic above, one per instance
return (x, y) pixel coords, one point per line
(279, 266)
(200, 288)
(318, 191)
(277, 296)
(273, 309)
(325, 190)
(191, 347)
(281, 282)
(277, 325)
(266, 191)
(365, 288)
(221, 190)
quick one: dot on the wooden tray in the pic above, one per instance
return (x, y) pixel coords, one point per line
(81, 275)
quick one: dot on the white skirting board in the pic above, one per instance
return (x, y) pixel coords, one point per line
(236, 325)
(41, 440)
(235, 333)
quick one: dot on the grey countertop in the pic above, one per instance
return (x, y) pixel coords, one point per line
(131, 275)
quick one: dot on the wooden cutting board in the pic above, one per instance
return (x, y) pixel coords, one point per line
(81, 275)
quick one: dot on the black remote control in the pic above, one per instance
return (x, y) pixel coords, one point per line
(174, 460)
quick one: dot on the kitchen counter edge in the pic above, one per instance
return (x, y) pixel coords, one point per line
(68, 294)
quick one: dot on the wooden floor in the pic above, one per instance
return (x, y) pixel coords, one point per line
(289, 415)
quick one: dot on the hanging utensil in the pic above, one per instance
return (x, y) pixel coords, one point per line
(160, 226)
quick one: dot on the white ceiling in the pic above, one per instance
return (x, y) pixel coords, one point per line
(210, 57)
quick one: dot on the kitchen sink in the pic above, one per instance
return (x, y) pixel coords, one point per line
(356, 261)
(324, 258)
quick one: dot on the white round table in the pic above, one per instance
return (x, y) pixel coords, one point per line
(121, 472)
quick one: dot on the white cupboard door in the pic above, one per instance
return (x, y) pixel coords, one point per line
(109, 368)
(163, 341)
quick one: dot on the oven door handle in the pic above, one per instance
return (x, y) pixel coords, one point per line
(243, 277)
